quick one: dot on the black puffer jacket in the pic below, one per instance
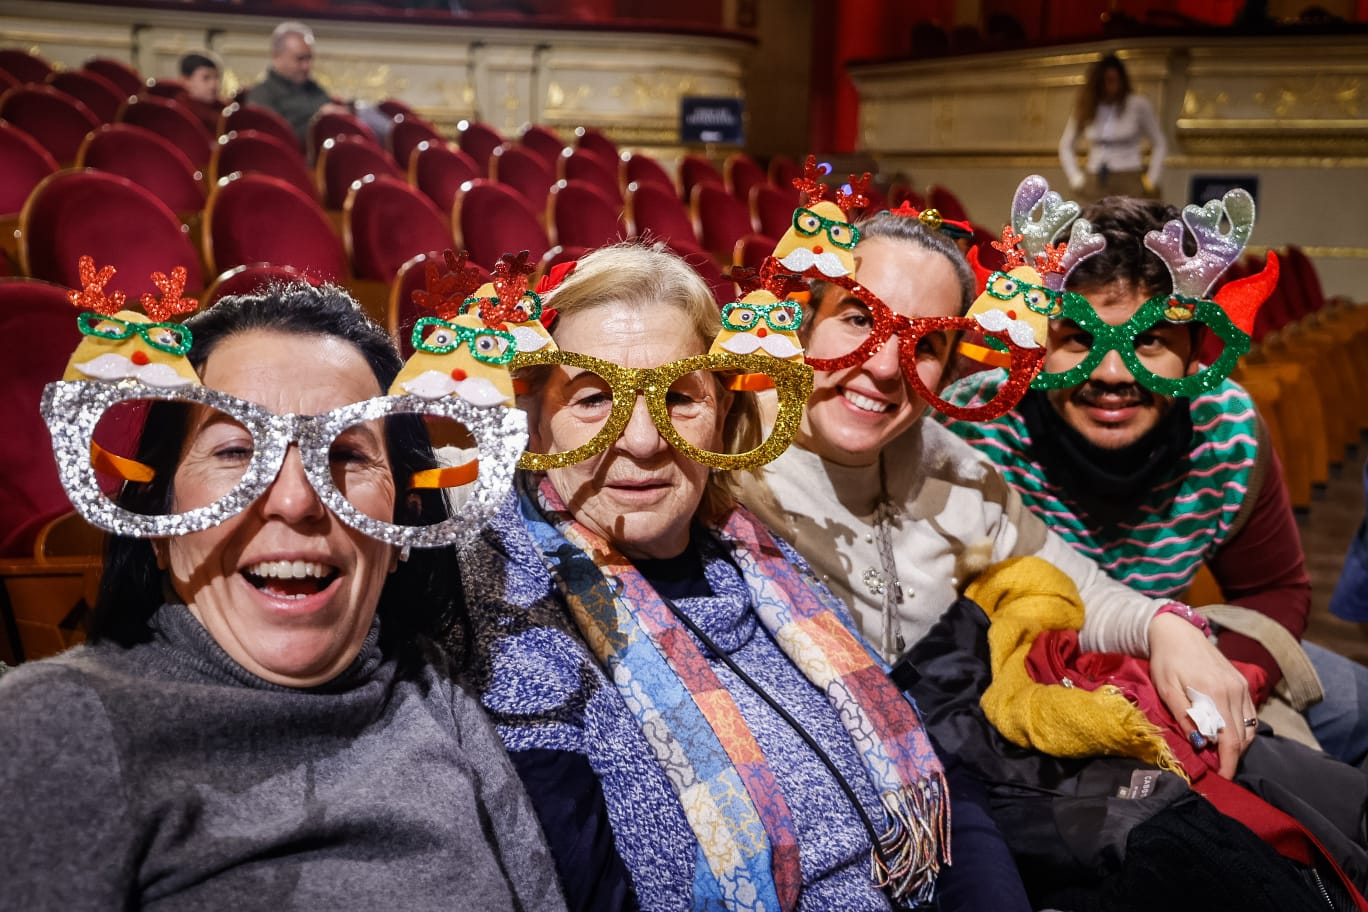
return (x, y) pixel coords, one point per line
(1079, 846)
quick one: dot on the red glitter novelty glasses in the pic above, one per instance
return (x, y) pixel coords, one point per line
(866, 328)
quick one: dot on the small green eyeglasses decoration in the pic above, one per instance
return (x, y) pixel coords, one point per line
(529, 307)
(490, 346)
(1042, 300)
(842, 234)
(780, 316)
(171, 338)
(1171, 309)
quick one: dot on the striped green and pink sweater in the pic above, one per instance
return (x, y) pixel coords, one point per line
(1177, 527)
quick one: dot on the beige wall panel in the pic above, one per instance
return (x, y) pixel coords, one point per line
(1291, 111)
(67, 43)
(634, 91)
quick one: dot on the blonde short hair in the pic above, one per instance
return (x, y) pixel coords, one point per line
(640, 276)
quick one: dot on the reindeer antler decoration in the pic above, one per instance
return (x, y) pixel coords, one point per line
(810, 183)
(447, 291)
(510, 284)
(1030, 236)
(857, 198)
(1194, 275)
(92, 295)
(171, 302)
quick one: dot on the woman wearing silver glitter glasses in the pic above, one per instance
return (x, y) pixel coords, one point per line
(257, 720)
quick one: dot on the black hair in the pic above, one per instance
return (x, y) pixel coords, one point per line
(1124, 221)
(423, 596)
(194, 61)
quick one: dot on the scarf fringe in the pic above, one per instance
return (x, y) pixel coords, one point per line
(1145, 740)
(917, 841)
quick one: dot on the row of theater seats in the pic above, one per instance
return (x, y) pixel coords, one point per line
(573, 197)
(237, 199)
(1307, 373)
(1308, 379)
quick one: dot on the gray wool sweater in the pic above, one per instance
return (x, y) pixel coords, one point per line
(166, 776)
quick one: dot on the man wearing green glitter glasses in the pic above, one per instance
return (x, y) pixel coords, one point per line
(1150, 461)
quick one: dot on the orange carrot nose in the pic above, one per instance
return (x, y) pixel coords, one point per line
(816, 248)
(457, 374)
(140, 358)
(762, 332)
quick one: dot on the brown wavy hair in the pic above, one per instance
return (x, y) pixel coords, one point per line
(1090, 95)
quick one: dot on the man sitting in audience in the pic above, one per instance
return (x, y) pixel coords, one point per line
(289, 88)
(1153, 486)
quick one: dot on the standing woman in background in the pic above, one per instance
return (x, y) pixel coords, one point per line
(1115, 121)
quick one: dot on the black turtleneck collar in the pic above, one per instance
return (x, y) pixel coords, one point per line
(1108, 484)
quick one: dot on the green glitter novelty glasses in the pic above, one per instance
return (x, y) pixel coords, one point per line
(842, 234)
(1131, 339)
(1042, 300)
(779, 316)
(171, 338)
(590, 404)
(491, 346)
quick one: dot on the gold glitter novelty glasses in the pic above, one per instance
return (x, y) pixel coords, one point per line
(589, 406)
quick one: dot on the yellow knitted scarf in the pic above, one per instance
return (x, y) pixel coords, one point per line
(1023, 597)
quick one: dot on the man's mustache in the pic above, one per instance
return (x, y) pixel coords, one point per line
(1112, 395)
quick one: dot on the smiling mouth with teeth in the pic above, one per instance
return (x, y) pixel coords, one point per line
(290, 579)
(865, 403)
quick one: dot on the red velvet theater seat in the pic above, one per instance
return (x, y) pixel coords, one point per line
(255, 152)
(490, 220)
(581, 216)
(113, 220)
(172, 121)
(344, 160)
(439, 169)
(385, 223)
(23, 164)
(51, 116)
(253, 218)
(148, 161)
(38, 313)
(240, 116)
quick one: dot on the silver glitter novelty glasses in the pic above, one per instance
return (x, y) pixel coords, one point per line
(223, 453)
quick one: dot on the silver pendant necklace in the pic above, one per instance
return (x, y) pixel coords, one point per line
(883, 581)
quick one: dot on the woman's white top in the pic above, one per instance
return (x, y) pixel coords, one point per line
(949, 513)
(1115, 139)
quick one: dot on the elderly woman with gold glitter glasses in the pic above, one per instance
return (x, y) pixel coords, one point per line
(688, 706)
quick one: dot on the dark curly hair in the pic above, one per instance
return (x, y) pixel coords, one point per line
(1124, 221)
(423, 596)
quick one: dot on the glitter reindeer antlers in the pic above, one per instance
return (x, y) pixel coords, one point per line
(172, 300)
(1030, 236)
(1217, 250)
(510, 285)
(447, 291)
(811, 185)
(92, 295)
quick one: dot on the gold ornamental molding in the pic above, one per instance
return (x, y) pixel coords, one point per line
(1337, 139)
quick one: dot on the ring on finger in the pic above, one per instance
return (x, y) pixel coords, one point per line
(1251, 722)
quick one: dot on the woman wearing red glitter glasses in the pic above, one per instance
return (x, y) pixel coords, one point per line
(893, 512)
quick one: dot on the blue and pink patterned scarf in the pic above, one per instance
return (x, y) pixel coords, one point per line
(748, 847)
